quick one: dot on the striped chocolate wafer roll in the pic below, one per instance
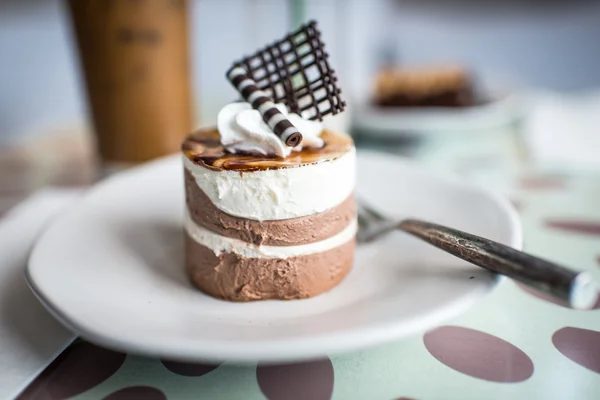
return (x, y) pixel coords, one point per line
(259, 100)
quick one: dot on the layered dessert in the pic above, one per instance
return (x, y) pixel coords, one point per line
(264, 220)
(424, 87)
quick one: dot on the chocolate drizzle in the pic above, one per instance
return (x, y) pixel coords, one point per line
(204, 148)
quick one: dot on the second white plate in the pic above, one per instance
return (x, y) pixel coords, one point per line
(112, 271)
(502, 111)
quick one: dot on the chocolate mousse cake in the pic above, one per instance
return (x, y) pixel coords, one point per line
(424, 87)
(269, 192)
(268, 228)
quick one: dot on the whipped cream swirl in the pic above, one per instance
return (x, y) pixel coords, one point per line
(243, 130)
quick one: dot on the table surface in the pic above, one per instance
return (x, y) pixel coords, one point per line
(514, 344)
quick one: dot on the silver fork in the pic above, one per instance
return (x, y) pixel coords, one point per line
(577, 288)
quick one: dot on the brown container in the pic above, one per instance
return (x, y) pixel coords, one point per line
(135, 59)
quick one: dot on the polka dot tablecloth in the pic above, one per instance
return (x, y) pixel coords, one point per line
(514, 344)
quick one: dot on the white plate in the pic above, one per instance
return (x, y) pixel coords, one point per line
(112, 271)
(503, 110)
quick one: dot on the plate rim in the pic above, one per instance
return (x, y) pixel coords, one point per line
(291, 349)
(223, 351)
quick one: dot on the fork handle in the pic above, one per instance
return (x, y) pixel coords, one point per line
(576, 288)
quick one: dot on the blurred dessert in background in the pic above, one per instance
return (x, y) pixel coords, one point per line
(447, 86)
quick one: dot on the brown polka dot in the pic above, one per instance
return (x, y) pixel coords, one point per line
(309, 380)
(78, 369)
(478, 354)
(188, 369)
(550, 299)
(582, 227)
(137, 393)
(542, 183)
(579, 345)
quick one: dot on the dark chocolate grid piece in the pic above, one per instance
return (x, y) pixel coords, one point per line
(295, 71)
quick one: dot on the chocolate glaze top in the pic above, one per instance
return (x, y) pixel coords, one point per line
(204, 148)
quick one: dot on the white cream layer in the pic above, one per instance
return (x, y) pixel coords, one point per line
(221, 244)
(279, 193)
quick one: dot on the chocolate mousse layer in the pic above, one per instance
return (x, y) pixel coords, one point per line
(286, 232)
(204, 148)
(232, 277)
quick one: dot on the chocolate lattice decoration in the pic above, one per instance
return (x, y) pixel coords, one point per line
(295, 71)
